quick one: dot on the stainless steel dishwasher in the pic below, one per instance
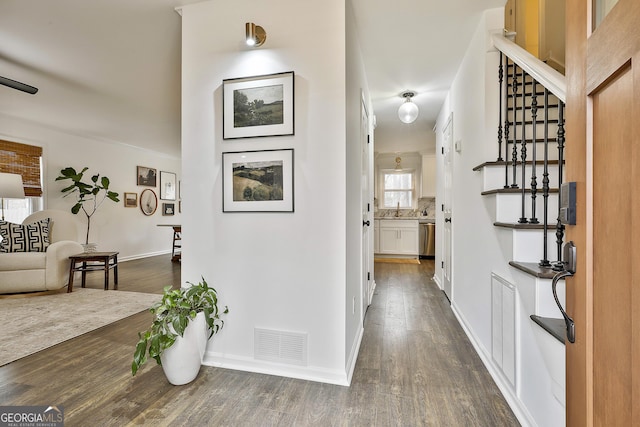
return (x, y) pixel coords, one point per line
(427, 239)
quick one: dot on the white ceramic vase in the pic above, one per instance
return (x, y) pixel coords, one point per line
(89, 247)
(181, 362)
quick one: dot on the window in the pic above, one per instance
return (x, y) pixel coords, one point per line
(398, 189)
(25, 160)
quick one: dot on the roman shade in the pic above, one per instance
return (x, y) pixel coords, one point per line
(24, 160)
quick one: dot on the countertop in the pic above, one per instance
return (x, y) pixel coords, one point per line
(421, 219)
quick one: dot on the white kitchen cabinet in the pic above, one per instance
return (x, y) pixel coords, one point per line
(428, 175)
(398, 237)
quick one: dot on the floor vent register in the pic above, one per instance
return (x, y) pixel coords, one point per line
(280, 346)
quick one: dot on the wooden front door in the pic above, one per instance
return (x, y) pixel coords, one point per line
(603, 157)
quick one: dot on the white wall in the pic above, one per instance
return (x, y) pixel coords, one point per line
(113, 226)
(279, 271)
(473, 101)
(410, 138)
(473, 234)
(357, 92)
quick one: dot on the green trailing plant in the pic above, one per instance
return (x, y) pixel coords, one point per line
(89, 195)
(172, 316)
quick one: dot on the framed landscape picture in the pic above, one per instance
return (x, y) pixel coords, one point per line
(130, 200)
(167, 185)
(258, 106)
(146, 176)
(257, 181)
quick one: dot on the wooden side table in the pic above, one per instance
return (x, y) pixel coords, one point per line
(176, 255)
(94, 261)
(177, 238)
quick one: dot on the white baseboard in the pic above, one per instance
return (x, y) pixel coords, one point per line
(438, 282)
(518, 408)
(140, 256)
(353, 355)
(249, 364)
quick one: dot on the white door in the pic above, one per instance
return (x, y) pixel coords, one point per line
(367, 217)
(447, 145)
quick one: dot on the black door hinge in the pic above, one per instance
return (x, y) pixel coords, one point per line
(442, 149)
(368, 276)
(368, 207)
(442, 264)
(368, 139)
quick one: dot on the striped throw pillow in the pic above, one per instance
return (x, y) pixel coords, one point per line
(24, 237)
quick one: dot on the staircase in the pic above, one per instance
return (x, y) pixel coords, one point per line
(522, 185)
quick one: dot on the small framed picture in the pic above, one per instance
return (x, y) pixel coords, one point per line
(146, 176)
(257, 181)
(167, 185)
(148, 202)
(130, 200)
(258, 106)
(168, 209)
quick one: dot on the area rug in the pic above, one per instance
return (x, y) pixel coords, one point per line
(35, 323)
(398, 260)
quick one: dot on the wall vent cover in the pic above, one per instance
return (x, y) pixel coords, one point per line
(280, 346)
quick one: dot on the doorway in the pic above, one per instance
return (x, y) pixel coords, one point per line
(447, 145)
(366, 290)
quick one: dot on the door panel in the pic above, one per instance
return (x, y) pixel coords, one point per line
(448, 211)
(603, 141)
(367, 217)
(612, 222)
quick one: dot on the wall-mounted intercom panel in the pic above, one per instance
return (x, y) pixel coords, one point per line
(568, 203)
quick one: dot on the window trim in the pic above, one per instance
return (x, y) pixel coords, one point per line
(412, 190)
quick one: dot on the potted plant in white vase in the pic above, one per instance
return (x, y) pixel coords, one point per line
(184, 320)
(89, 195)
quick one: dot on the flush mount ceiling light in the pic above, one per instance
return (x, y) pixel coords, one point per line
(408, 111)
(398, 165)
(256, 35)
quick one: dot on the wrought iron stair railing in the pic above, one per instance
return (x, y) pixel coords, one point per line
(531, 132)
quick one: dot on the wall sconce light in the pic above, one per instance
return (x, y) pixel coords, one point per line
(408, 111)
(256, 35)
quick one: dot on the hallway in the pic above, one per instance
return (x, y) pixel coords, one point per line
(414, 351)
(415, 368)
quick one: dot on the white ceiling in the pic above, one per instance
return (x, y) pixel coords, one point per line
(109, 70)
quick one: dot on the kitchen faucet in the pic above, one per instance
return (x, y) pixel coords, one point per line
(398, 210)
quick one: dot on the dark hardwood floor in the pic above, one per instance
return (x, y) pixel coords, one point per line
(148, 275)
(416, 368)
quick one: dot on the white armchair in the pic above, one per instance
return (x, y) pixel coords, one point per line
(42, 271)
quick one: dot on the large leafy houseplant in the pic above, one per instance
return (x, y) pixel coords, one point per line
(172, 316)
(90, 195)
